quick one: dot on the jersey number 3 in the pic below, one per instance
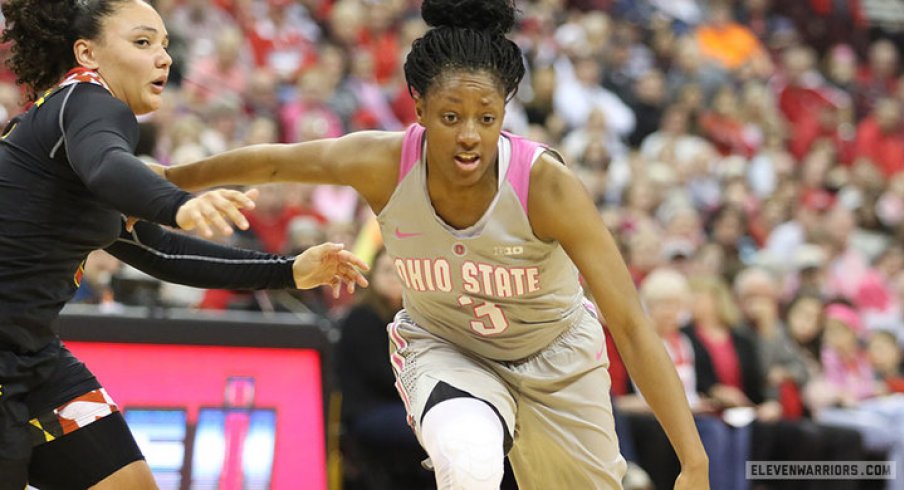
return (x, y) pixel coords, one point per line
(490, 319)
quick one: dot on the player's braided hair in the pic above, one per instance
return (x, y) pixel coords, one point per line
(466, 35)
(43, 32)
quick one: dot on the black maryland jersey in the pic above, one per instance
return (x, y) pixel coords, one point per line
(67, 176)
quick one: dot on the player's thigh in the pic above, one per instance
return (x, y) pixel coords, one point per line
(566, 430)
(134, 476)
(88, 456)
(568, 441)
(430, 370)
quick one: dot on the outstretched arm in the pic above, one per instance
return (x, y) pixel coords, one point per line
(367, 161)
(556, 192)
(183, 259)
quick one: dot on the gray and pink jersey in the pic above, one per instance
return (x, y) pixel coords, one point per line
(494, 288)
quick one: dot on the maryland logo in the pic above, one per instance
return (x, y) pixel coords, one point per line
(77, 278)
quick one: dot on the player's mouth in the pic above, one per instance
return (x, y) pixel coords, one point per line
(158, 85)
(467, 161)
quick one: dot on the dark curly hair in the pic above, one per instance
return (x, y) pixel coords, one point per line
(43, 32)
(466, 35)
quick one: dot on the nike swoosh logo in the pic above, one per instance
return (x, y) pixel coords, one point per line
(401, 235)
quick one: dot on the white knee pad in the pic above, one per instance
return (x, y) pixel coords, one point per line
(464, 439)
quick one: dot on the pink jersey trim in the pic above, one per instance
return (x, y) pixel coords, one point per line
(518, 174)
(411, 149)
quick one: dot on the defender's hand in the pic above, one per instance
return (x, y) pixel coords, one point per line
(209, 211)
(329, 264)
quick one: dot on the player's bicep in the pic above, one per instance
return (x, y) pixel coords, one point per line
(368, 162)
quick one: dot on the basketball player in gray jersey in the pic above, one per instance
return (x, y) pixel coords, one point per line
(496, 349)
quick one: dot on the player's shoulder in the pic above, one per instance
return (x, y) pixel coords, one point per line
(373, 148)
(91, 100)
(91, 92)
(549, 164)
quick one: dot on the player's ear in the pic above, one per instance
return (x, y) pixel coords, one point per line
(419, 108)
(85, 54)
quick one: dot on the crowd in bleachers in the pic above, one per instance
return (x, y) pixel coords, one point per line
(747, 155)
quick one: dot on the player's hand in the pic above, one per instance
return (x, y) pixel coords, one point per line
(330, 264)
(210, 211)
(695, 478)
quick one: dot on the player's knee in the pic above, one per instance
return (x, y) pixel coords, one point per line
(467, 460)
(465, 443)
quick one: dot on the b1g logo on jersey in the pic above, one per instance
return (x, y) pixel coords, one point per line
(508, 250)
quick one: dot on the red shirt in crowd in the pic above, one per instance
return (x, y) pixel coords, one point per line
(885, 149)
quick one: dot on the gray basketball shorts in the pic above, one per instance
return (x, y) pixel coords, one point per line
(555, 403)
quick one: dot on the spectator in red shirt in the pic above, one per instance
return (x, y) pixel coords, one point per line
(808, 103)
(724, 127)
(282, 40)
(382, 39)
(880, 137)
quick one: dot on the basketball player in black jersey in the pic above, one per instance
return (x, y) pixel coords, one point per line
(68, 175)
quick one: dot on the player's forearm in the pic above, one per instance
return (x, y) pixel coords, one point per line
(250, 165)
(655, 376)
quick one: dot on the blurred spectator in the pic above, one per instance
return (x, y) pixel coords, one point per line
(786, 373)
(345, 22)
(261, 98)
(625, 61)
(877, 78)
(313, 92)
(689, 67)
(282, 37)
(575, 143)
(880, 137)
(728, 43)
(222, 73)
(578, 92)
(727, 228)
(724, 127)
(809, 103)
(381, 38)
(199, 23)
(886, 359)
(760, 18)
(373, 110)
(648, 101)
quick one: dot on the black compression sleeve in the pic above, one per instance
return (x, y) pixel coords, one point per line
(100, 133)
(183, 259)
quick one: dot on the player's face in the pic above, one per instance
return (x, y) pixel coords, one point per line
(463, 115)
(131, 55)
